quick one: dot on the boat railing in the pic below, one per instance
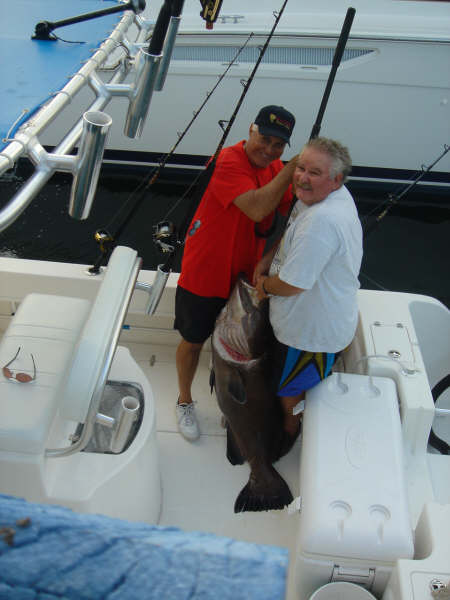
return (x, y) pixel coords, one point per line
(18, 146)
(147, 76)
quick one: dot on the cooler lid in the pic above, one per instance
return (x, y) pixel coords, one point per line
(354, 501)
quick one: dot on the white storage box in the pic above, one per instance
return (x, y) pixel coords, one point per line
(354, 519)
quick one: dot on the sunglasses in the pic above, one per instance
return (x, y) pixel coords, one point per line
(20, 377)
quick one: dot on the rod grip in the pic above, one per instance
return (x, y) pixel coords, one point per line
(345, 31)
(160, 30)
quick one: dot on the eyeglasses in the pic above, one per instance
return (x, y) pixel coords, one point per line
(20, 377)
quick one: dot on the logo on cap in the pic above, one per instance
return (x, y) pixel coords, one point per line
(277, 121)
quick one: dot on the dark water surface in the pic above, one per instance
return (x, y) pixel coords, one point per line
(408, 251)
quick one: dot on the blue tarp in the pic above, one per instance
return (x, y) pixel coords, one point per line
(57, 553)
(31, 70)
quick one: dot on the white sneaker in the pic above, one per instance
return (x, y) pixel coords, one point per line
(187, 421)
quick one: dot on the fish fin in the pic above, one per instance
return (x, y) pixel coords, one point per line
(233, 452)
(212, 380)
(277, 497)
(236, 389)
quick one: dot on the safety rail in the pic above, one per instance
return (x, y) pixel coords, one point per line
(145, 66)
(82, 389)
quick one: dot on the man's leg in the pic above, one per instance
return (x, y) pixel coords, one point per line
(187, 360)
(291, 421)
(194, 318)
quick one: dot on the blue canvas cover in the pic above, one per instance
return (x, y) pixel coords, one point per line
(52, 552)
(32, 70)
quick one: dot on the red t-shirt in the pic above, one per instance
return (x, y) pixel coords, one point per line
(221, 240)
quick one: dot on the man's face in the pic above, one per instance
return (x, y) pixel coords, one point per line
(312, 181)
(263, 149)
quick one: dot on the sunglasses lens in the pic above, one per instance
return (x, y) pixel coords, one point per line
(20, 377)
(24, 377)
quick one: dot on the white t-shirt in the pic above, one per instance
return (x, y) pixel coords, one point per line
(321, 252)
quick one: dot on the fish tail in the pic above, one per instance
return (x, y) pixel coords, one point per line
(276, 496)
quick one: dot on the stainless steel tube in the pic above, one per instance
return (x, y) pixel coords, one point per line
(141, 94)
(96, 126)
(128, 414)
(156, 291)
(167, 55)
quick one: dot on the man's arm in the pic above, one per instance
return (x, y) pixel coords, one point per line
(263, 266)
(273, 285)
(259, 203)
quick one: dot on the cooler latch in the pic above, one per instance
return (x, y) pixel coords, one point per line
(364, 577)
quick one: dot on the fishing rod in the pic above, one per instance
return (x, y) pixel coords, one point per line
(338, 53)
(166, 229)
(102, 236)
(210, 11)
(393, 199)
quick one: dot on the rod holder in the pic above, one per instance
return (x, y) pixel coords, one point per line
(141, 92)
(96, 126)
(129, 411)
(168, 50)
(157, 290)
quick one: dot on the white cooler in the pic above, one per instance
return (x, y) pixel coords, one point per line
(354, 519)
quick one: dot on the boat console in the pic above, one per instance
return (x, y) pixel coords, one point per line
(48, 424)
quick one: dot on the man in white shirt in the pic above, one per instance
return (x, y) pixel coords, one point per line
(313, 276)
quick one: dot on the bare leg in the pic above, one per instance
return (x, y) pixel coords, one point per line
(187, 360)
(291, 422)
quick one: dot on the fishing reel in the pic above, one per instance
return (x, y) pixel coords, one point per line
(103, 239)
(165, 236)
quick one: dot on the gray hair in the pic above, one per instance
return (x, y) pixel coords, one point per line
(339, 154)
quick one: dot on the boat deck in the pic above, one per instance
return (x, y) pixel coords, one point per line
(199, 484)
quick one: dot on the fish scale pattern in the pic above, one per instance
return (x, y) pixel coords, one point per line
(49, 552)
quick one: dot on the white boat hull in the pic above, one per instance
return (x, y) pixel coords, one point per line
(389, 104)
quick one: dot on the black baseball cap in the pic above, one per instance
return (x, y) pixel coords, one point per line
(276, 121)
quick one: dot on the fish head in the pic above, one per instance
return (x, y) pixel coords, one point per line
(242, 330)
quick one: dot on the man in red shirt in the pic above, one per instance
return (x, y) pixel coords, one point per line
(248, 184)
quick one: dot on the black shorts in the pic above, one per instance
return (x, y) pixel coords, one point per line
(195, 316)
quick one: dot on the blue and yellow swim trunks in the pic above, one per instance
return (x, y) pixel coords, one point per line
(299, 370)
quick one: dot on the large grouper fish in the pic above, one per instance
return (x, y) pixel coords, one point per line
(241, 349)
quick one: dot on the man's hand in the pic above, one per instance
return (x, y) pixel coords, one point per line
(262, 268)
(261, 294)
(274, 286)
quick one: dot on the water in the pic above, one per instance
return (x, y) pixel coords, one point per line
(408, 251)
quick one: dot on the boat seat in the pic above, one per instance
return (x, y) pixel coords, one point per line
(72, 341)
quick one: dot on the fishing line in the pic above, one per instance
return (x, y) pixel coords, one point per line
(393, 199)
(204, 177)
(102, 236)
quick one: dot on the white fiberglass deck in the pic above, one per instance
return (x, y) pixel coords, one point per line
(199, 484)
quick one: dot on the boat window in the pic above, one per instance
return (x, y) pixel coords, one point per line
(306, 56)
